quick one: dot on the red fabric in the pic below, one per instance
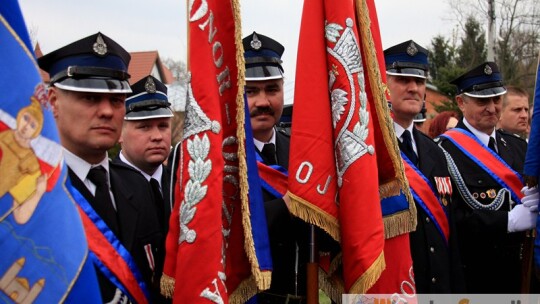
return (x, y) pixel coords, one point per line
(498, 167)
(424, 191)
(52, 172)
(104, 251)
(214, 261)
(398, 278)
(273, 177)
(316, 142)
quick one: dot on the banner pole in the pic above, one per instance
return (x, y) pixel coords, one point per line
(313, 269)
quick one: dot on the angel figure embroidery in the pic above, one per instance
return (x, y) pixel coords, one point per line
(21, 173)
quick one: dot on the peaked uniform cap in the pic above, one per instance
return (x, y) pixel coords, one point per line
(92, 64)
(148, 100)
(407, 59)
(482, 81)
(263, 57)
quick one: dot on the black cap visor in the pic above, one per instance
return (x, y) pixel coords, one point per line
(94, 85)
(266, 72)
(409, 72)
(149, 114)
(486, 93)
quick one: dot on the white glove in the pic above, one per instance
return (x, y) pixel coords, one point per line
(521, 219)
(531, 198)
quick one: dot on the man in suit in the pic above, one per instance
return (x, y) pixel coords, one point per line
(87, 92)
(146, 143)
(486, 165)
(264, 91)
(435, 259)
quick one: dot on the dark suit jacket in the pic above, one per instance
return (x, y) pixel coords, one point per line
(138, 223)
(490, 255)
(165, 188)
(437, 268)
(159, 254)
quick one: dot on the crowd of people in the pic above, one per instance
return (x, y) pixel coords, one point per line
(470, 166)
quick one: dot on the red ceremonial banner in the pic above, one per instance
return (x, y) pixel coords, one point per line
(206, 259)
(344, 158)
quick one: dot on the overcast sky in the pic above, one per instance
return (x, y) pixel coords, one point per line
(161, 25)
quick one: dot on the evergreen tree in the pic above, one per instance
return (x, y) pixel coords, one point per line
(472, 50)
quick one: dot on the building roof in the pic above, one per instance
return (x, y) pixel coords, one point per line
(148, 63)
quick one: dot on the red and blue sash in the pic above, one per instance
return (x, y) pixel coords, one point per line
(425, 196)
(274, 178)
(488, 160)
(110, 256)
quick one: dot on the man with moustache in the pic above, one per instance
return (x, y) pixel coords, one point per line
(433, 247)
(288, 235)
(515, 112)
(88, 88)
(486, 165)
(146, 143)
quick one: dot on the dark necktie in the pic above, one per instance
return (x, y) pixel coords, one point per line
(160, 208)
(102, 199)
(408, 148)
(492, 144)
(269, 154)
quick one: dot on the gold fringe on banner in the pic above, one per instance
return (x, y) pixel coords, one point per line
(243, 292)
(369, 277)
(261, 278)
(312, 214)
(402, 222)
(331, 285)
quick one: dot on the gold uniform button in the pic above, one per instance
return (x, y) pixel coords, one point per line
(427, 220)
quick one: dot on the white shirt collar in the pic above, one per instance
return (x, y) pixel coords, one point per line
(399, 131)
(259, 144)
(483, 137)
(81, 168)
(157, 174)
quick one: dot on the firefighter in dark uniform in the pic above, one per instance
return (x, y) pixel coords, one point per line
(435, 258)
(88, 87)
(264, 91)
(486, 166)
(146, 143)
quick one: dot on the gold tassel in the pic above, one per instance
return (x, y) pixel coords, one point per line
(166, 285)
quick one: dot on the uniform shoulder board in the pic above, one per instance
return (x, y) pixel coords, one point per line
(511, 135)
(285, 131)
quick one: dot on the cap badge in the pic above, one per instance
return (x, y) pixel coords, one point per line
(99, 46)
(488, 70)
(150, 86)
(255, 42)
(411, 49)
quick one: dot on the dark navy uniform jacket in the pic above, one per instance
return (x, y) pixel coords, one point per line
(489, 254)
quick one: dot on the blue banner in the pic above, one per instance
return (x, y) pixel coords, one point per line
(44, 255)
(532, 158)
(256, 204)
